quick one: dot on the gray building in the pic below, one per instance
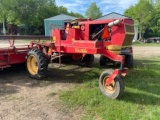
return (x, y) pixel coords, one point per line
(114, 15)
(56, 22)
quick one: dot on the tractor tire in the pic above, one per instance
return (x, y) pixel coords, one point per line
(115, 89)
(102, 61)
(87, 61)
(128, 61)
(36, 64)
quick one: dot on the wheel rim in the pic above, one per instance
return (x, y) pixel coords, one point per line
(109, 88)
(32, 64)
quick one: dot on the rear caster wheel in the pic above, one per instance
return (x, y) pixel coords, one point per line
(115, 89)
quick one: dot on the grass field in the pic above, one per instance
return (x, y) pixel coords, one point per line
(140, 101)
(145, 44)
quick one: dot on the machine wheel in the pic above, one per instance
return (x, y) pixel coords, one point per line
(129, 61)
(37, 64)
(115, 89)
(102, 61)
(87, 60)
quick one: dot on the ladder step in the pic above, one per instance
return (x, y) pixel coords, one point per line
(55, 56)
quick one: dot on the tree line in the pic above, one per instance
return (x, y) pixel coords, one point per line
(146, 14)
(30, 14)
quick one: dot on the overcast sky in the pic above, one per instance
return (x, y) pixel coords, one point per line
(106, 6)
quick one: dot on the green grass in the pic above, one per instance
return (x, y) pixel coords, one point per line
(145, 44)
(51, 93)
(140, 101)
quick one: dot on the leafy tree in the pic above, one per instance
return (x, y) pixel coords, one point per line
(76, 15)
(62, 9)
(3, 9)
(31, 13)
(155, 22)
(142, 14)
(93, 11)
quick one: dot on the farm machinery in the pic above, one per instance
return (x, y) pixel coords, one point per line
(81, 39)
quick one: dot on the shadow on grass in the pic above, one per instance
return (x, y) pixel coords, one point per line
(143, 77)
(12, 78)
(143, 83)
(72, 73)
(140, 98)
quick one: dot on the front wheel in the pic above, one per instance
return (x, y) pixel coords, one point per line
(36, 63)
(115, 89)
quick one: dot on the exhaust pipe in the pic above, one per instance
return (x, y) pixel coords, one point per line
(116, 22)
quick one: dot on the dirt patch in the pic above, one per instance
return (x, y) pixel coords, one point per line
(23, 98)
(149, 51)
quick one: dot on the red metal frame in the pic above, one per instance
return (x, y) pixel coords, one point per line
(15, 54)
(78, 41)
(75, 42)
(12, 55)
(115, 73)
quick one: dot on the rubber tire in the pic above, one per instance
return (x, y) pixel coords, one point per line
(42, 63)
(128, 61)
(102, 61)
(87, 61)
(119, 85)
